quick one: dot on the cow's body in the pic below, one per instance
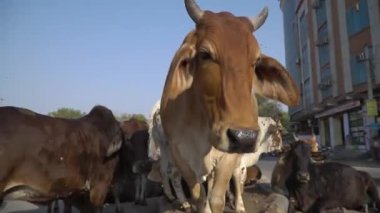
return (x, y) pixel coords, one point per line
(134, 161)
(159, 149)
(270, 129)
(56, 158)
(272, 141)
(320, 187)
(208, 105)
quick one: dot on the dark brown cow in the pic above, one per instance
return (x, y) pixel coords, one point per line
(321, 187)
(208, 105)
(134, 161)
(44, 158)
(131, 126)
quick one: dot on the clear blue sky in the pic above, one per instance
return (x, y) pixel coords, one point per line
(77, 53)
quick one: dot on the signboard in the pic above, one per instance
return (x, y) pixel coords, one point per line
(372, 107)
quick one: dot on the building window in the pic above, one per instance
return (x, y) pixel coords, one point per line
(356, 128)
(322, 43)
(357, 17)
(321, 13)
(307, 92)
(358, 71)
(326, 83)
(305, 65)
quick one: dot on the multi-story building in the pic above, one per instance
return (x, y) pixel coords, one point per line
(333, 53)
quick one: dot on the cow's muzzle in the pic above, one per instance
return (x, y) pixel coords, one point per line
(303, 177)
(242, 140)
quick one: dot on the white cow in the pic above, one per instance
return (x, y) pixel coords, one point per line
(271, 141)
(159, 150)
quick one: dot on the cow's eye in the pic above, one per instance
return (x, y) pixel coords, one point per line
(204, 55)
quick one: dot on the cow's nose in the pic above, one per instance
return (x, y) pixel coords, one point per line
(303, 177)
(242, 140)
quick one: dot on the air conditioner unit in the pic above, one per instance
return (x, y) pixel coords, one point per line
(328, 82)
(361, 57)
(357, 7)
(298, 61)
(325, 84)
(322, 41)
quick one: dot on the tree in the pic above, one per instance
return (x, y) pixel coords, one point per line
(65, 112)
(270, 108)
(267, 107)
(127, 116)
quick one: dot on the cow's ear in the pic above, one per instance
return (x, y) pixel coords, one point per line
(180, 77)
(275, 82)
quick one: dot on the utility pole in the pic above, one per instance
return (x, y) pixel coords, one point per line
(371, 103)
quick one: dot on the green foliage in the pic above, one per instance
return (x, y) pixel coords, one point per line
(66, 113)
(270, 108)
(267, 107)
(284, 117)
(127, 116)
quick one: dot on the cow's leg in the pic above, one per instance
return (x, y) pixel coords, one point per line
(165, 178)
(230, 198)
(239, 176)
(67, 205)
(138, 188)
(166, 169)
(221, 181)
(117, 200)
(56, 208)
(199, 195)
(49, 205)
(210, 185)
(143, 189)
(196, 189)
(177, 186)
(98, 195)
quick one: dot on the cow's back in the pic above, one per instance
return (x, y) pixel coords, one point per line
(341, 184)
(49, 155)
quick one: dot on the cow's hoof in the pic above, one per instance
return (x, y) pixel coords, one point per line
(186, 207)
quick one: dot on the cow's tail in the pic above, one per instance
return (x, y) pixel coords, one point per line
(372, 190)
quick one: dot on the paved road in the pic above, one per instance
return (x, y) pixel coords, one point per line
(155, 204)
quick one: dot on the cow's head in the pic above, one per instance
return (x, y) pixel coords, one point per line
(270, 134)
(220, 67)
(302, 153)
(132, 126)
(106, 123)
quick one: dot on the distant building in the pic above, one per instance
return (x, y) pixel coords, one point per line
(332, 47)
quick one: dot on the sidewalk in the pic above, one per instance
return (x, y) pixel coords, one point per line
(353, 157)
(358, 159)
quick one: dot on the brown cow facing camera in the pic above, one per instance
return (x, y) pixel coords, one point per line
(44, 158)
(208, 105)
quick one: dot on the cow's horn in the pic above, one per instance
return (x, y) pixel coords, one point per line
(194, 11)
(260, 19)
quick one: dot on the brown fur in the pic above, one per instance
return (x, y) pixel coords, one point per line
(55, 157)
(210, 88)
